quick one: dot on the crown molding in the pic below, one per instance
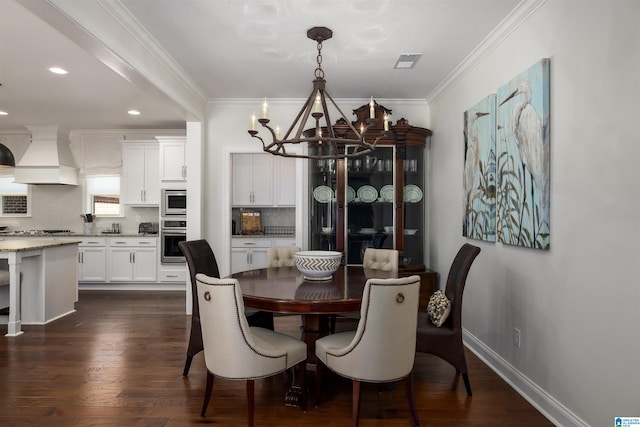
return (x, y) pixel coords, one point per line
(512, 21)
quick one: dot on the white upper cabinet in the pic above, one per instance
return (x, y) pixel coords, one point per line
(263, 180)
(172, 159)
(252, 180)
(285, 185)
(140, 174)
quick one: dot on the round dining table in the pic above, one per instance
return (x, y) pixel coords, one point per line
(284, 290)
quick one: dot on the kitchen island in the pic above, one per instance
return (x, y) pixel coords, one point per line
(43, 281)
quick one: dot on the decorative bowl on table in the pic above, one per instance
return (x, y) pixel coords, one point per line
(317, 265)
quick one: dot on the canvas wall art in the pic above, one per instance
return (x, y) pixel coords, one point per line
(523, 159)
(479, 180)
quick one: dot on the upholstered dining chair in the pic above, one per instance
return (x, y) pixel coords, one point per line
(381, 259)
(281, 256)
(446, 341)
(373, 259)
(200, 259)
(235, 351)
(383, 348)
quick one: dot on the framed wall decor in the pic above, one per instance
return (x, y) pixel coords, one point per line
(479, 180)
(523, 158)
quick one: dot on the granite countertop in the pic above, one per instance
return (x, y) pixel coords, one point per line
(73, 234)
(19, 245)
(265, 236)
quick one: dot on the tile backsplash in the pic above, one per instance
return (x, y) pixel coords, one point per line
(271, 217)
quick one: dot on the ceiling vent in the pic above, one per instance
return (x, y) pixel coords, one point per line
(407, 60)
(48, 158)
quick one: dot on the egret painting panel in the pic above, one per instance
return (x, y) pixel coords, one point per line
(479, 180)
(523, 158)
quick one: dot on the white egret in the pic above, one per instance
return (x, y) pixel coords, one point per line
(528, 132)
(471, 163)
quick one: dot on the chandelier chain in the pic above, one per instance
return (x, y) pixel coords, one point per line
(319, 73)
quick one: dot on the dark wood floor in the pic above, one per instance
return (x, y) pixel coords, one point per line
(118, 361)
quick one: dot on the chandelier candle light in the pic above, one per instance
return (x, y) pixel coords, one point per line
(331, 140)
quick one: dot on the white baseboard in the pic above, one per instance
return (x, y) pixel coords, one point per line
(129, 286)
(536, 396)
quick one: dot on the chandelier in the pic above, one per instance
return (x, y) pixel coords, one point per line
(327, 141)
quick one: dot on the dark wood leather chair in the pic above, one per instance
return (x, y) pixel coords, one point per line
(200, 259)
(446, 341)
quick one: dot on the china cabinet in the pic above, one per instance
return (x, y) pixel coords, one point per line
(377, 200)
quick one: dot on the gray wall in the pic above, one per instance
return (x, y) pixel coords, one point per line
(576, 305)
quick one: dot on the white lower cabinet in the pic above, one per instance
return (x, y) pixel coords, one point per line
(248, 253)
(133, 259)
(92, 260)
(177, 273)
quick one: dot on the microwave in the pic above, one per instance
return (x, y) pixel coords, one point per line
(174, 202)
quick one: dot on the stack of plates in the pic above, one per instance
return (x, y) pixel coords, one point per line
(351, 194)
(367, 194)
(368, 231)
(323, 194)
(412, 193)
(386, 193)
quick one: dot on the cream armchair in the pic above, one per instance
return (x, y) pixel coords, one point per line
(281, 256)
(373, 261)
(381, 259)
(383, 347)
(235, 351)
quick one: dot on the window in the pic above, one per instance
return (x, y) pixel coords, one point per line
(103, 195)
(15, 199)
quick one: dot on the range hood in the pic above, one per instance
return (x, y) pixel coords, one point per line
(48, 158)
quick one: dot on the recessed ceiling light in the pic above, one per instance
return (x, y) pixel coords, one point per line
(134, 112)
(58, 70)
(407, 60)
(3, 113)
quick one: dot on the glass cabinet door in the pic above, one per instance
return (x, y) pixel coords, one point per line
(369, 202)
(414, 202)
(322, 209)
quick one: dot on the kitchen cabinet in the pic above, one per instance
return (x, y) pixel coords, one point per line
(140, 174)
(133, 259)
(173, 273)
(249, 253)
(92, 260)
(377, 200)
(285, 182)
(253, 181)
(263, 180)
(172, 159)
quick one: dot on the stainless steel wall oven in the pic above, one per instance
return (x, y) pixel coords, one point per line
(172, 232)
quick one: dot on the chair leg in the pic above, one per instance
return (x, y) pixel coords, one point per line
(302, 373)
(195, 345)
(250, 400)
(187, 365)
(355, 405)
(467, 384)
(207, 392)
(411, 399)
(319, 369)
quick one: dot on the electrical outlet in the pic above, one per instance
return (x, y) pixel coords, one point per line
(516, 337)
